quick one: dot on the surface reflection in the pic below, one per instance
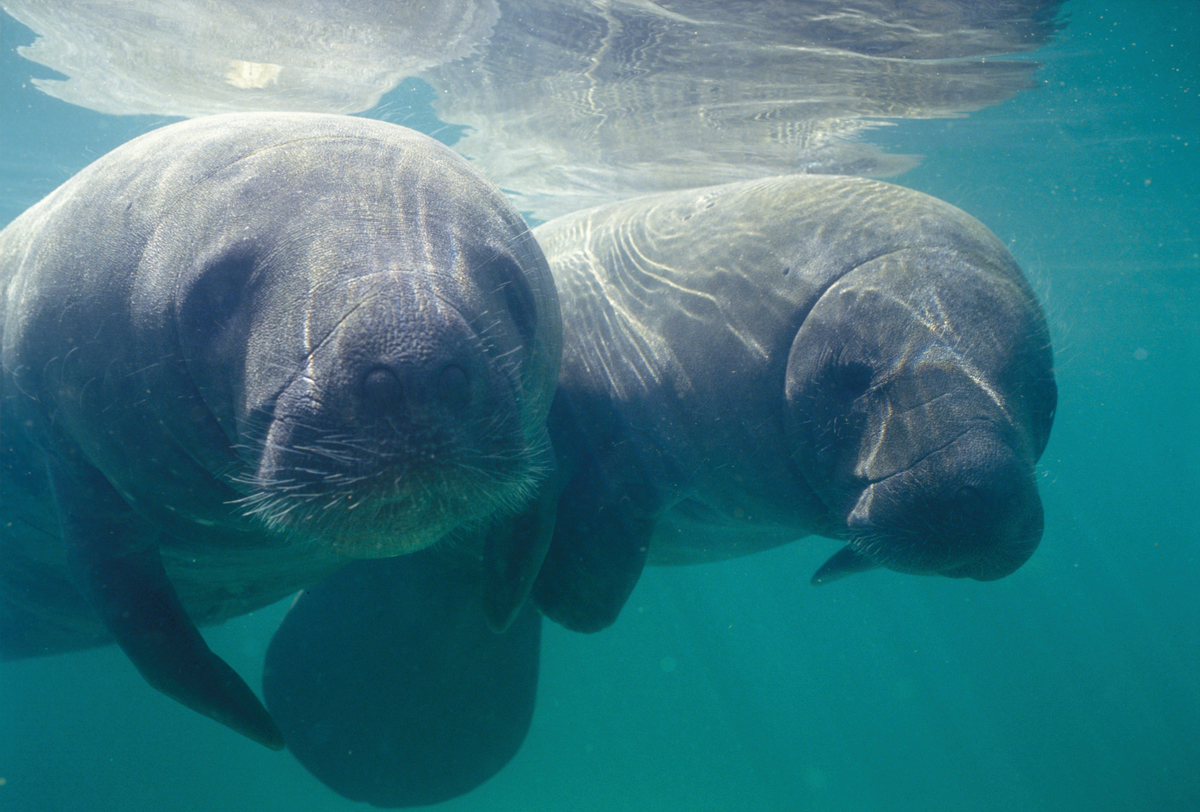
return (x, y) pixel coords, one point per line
(567, 103)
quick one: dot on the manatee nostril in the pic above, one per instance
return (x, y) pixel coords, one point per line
(388, 390)
(968, 493)
(970, 503)
(381, 388)
(453, 386)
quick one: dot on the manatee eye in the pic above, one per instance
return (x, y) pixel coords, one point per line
(829, 406)
(852, 379)
(222, 283)
(510, 281)
(213, 306)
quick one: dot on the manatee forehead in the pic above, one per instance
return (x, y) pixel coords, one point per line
(288, 151)
(302, 204)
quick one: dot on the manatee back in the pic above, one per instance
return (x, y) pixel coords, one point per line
(655, 287)
(748, 254)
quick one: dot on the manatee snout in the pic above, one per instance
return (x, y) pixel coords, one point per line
(426, 378)
(968, 510)
(399, 428)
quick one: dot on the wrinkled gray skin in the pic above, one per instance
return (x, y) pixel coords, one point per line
(748, 364)
(239, 350)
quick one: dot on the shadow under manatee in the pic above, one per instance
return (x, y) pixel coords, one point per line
(390, 687)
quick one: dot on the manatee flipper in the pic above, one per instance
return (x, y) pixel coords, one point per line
(842, 563)
(597, 553)
(120, 573)
(391, 686)
(513, 554)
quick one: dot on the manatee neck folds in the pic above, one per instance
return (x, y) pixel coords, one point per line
(928, 459)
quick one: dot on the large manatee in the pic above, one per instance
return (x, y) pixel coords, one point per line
(743, 365)
(747, 364)
(242, 350)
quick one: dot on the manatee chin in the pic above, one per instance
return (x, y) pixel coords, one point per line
(374, 516)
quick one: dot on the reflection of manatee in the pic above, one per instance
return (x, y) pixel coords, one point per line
(240, 349)
(572, 103)
(196, 57)
(743, 365)
(567, 103)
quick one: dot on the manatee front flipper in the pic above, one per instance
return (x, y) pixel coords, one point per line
(117, 567)
(842, 563)
(598, 551)
(513, 554)
(391, 686)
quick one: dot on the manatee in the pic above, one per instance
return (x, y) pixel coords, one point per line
(743, 365)
(748, 364)
(242, 351)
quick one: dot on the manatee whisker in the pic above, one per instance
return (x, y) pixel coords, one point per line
(320, 499)
(504, 355)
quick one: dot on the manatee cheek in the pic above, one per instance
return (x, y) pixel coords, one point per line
(280, 455)
(827, 415)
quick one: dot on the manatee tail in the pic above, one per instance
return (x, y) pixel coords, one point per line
(392, 688)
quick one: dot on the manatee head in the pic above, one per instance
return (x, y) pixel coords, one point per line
(373, 330)
(920, 394)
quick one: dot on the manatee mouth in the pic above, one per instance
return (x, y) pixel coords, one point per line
(867, 551)
(395, 486)
(391, 506)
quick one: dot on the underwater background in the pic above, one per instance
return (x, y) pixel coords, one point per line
(1073, 684)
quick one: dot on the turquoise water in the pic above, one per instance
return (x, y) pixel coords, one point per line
(1070, 685)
